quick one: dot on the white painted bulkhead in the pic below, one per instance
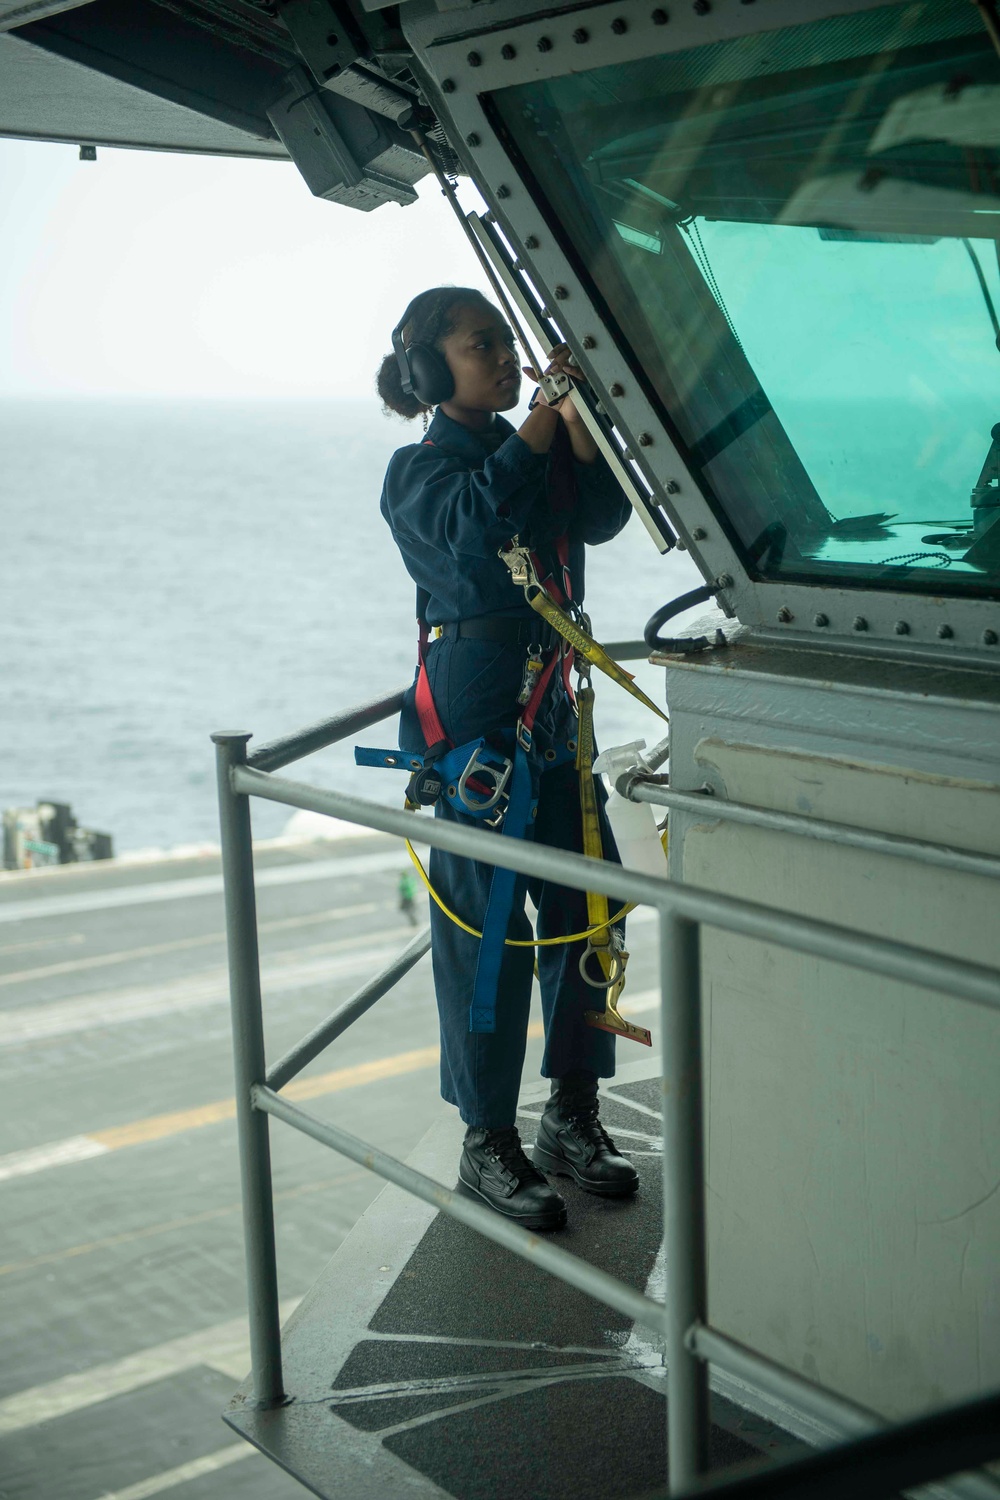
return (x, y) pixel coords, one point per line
(853, 1123)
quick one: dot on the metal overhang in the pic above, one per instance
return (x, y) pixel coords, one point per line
(458, 78)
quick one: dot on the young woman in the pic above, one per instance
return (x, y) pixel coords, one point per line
(453, 501)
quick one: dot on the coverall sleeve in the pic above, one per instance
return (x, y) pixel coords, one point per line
(433, 497)
(601, 506)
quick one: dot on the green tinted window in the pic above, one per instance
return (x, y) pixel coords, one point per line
(797, 235)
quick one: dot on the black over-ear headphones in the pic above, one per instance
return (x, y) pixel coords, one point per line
(423, 369)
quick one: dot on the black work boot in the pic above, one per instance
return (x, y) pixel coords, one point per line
(573, 1142)
(495, 1168)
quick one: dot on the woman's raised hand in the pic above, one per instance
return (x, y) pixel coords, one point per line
(560, 363)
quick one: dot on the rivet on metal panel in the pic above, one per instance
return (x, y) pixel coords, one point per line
(659, 17)
(619, 26)
(560, 293)
(475, 59)
(581, 35)
(531, 243)
(821, 620)
(508, 52)
(447, 85)
(901, 627)
(503, 191)
(860, 623)
(945, 632)
(472, 139)
(699, 534)
(673, 488)
(785, 614)
(645, 440)
(616, 390)
(544, 44)
(589, 342)
(990, 637)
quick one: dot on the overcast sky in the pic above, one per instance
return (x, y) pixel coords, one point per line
(157, 274)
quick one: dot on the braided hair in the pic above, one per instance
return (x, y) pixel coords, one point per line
(432, 319)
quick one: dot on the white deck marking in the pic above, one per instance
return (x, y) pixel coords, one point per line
(55, 1154)
(193, 1469)
(195, 885)
(223, 1347)
(316, 964)
(154, 950)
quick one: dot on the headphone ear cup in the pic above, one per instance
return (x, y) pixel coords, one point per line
(430, 376)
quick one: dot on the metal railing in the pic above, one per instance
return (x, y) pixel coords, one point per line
(691, 1344)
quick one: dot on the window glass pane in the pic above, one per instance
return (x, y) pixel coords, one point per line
(797, 235)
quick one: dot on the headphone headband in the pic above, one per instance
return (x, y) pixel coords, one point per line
(400, 351)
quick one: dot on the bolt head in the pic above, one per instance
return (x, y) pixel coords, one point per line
(901, 627)
(472, 139)
(475, 59)
(673, 488)
(659, 17)
(990, 637)
(821, 620)
(724, 581)
(785, 614)
(616, 390)
(645, 440)
(560, 293)
(447, 85)
(619, 26)
(701, 7)
(503, 191)
(581, 35)
(508, 51)
(531, 243)
(860, 623)
(945, 632)
(699, 534)
(589, 342)
(544, 44)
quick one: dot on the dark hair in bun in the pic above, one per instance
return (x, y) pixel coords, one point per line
(432, 319)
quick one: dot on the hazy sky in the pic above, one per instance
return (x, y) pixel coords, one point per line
(159, 274)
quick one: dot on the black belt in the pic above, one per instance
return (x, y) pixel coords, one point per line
(518, 632)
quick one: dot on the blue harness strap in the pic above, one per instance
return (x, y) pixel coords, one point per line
(483, 1010)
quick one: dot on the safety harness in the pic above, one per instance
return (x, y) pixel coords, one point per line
(495, 786)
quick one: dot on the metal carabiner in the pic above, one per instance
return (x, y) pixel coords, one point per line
(617, 966)
(498, 775)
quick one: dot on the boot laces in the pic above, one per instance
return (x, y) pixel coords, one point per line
(505, 1146)
(582, 1115)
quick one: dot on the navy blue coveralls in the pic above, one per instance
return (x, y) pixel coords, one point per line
(452, 501)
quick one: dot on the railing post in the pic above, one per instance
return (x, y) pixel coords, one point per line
(249, 1062)
(683, 1198)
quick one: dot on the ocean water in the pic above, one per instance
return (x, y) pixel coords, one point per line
(170, 568)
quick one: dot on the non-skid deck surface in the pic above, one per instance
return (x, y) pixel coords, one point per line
(472, 1373)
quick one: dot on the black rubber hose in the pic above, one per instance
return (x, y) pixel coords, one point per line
(678, 644)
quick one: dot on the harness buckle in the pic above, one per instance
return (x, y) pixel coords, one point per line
(497, 776)
(523, 735)
(518, 560)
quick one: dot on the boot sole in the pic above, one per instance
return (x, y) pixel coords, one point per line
(554, 1220)
(557, 1166)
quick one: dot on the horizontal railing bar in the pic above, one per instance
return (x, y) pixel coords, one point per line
(806, 1398)
(281, 752)
(906, 1457)
(706, 806)
(884, 956)
(311, 1045)
(530, 1247)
